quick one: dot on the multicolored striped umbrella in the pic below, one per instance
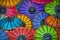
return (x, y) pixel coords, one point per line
(10, 23)
(42, 1)
(26, 22)
(53, 8)
(3, 35)
(46, 32)
(39, 20)
(9, 3)
(31, 9)
(21, 33)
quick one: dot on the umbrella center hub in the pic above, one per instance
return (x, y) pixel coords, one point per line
(57, 15)
(57, 9)
(43, 22)
(31, 10)
(47, 37)
(23, 24)
(9, 19)
(2, 10)
(21, 37)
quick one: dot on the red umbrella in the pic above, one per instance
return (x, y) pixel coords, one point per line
(21, 33)
(42, 1)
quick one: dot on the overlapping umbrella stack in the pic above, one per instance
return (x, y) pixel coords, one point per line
(29, 19)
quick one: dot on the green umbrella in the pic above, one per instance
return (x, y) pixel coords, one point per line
(53, 7)
(46, 33)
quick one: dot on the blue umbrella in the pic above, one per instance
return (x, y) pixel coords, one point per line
(10, 23)
(19, 5)
(3, 35)
(31, 9)
(39, 19)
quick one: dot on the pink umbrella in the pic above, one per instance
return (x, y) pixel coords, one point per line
(11, 11)
(42, 1)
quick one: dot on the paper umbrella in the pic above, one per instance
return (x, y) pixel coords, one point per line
(10, 23)
(26, 22)
(3, 35)
(53, 8)
(9, 3)
(52, 21)
(46, 33)
(8, 11)
(20, 33)
(42, 1)
(31, 9)
(39, 20)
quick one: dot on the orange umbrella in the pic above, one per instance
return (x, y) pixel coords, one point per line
(52, 21)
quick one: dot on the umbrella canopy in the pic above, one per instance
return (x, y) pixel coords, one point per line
(53, 21)
(11, 11)
(9, 3)
(39, 19)
(42, 1)
(26, 22)
(10, 23)
(53, 8)
(46, 32)
(8, 11)
(31, 9)
(3, 35)
(20, 33)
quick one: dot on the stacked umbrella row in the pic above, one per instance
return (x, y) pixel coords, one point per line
(30, 19)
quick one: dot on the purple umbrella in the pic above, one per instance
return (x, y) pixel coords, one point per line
(31, 9)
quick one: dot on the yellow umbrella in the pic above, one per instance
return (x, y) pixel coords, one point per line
(26, 22)
(9, 3)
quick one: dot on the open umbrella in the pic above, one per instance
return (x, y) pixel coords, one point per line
(3, 35)
(42, 1)
(53, 21)
(10, 23)
(20, 33)
(46, 32)
(53, 8)
(39, 19)
(26, 22)
(11, 12)
(8, 11)
(31, 9)
(9, 3)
